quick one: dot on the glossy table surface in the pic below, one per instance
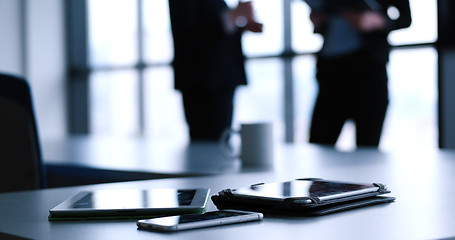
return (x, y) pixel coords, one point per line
(420, 179)
(138, 155)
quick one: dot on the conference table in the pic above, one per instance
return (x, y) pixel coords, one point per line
(80, 159)
(420, 179)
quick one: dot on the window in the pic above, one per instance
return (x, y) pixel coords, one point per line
(130, 81)
(112, 33)
(424, 25)
(157, 32)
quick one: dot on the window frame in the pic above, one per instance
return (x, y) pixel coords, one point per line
(78, 102)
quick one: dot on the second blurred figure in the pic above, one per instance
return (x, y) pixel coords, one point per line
(351, 66)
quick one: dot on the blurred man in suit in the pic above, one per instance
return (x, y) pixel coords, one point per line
(351, 67)
(208, 61)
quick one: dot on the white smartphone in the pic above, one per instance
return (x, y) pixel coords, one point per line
(191, 221)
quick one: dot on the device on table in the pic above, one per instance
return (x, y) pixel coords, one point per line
(302, 196)
(131, 203)
(192, 221)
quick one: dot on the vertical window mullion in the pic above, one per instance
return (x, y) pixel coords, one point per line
(140, 67)
(77, 57)
(288, 78)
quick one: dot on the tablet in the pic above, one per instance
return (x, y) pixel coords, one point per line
(130, 203)
(306, 190)
(306, 197)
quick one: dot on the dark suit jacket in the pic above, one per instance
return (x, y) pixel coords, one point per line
(205, 55)
(376, 43)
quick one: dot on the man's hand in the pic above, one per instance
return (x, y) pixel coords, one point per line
(318, 19)
(243, 16)
(366, 21)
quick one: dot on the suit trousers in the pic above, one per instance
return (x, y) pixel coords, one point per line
(350, 87)
(208, 112)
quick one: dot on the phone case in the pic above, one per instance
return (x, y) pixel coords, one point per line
(227, 200)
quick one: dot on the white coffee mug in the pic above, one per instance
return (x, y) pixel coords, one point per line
(256, 144)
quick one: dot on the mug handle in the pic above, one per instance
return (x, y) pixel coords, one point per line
(226, 149)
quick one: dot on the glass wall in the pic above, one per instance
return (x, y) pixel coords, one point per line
(129, 33)
(112, 33)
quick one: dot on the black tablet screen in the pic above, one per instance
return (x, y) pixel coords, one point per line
(156, 198)
(306, 188)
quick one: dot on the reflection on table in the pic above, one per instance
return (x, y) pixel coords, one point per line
(83, 160)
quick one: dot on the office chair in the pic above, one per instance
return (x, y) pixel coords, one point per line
(21, 166)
